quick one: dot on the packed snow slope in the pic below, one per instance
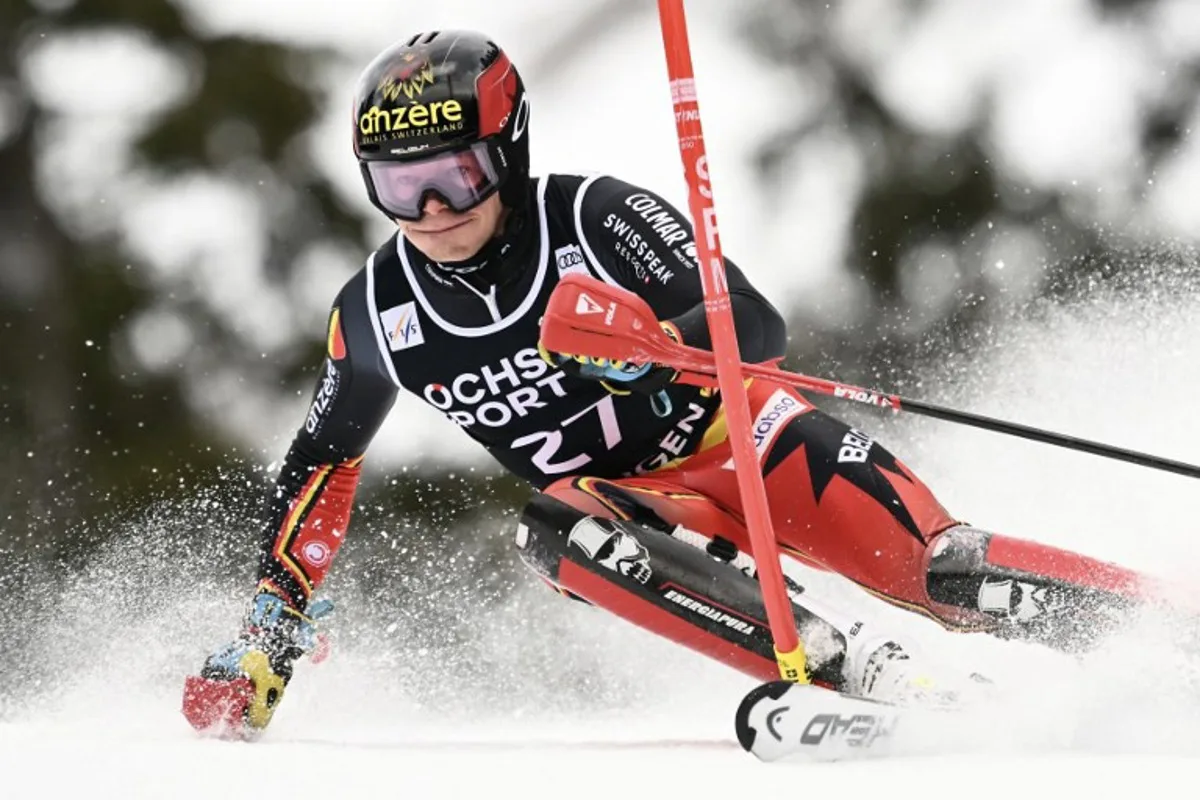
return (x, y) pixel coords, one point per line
(547, 698)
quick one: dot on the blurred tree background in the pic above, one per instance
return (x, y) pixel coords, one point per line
(958, 220)
(90, 427)
(126, 357)
(114, 368)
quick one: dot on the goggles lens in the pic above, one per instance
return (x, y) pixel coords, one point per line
(462, 180)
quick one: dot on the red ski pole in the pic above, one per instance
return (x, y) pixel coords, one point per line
(789, 651)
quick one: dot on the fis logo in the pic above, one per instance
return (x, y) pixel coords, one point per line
(401, 327)
(316, 553)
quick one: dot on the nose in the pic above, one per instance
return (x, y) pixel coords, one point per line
(433, 206)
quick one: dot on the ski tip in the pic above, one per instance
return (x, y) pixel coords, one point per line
(745, 731)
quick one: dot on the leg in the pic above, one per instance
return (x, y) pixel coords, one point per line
(1024, 590)
(676, 589)
(839, 501)
(842, 502)
(630, 557)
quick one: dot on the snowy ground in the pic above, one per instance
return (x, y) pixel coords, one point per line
(53, 764)
(639, 718)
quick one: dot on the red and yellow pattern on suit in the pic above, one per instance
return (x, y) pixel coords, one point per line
(310, 512)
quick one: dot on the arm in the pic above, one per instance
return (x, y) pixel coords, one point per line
(639, 241)
(242, 683)
(309, 510)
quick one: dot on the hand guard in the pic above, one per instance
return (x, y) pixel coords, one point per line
(620, 377)
(242, 684)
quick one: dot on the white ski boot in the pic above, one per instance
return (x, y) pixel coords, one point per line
(880, 669)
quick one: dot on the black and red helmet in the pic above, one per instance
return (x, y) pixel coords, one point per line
(442, 112)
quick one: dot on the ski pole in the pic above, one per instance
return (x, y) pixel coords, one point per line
(634, 335)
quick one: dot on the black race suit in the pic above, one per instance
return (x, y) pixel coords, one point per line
(467, 344)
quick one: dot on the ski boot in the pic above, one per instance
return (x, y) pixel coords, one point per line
(881, 669)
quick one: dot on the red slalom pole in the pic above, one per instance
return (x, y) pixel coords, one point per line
(789, 651)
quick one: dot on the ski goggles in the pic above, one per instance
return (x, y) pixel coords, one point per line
(461, 179)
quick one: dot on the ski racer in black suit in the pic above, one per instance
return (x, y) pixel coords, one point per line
(638, 510)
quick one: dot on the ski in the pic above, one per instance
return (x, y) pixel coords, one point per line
(803, 722)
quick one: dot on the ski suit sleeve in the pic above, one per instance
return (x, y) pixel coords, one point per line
(639, 241)
(309, 509)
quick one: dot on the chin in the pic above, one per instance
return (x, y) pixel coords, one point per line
(460, 244)
(445, 251)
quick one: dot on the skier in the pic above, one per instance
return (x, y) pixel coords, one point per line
(638, 508)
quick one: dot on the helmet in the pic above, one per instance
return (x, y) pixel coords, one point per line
(444, 113)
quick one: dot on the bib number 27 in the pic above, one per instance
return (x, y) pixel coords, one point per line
(550, 461)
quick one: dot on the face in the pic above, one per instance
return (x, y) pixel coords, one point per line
(444, 234)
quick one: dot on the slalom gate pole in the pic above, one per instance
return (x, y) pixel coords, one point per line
(789, 650)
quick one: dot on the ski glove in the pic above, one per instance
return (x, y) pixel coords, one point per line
(242, 683)
(618, 377)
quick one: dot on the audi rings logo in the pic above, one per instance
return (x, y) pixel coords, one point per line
(316, 553)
